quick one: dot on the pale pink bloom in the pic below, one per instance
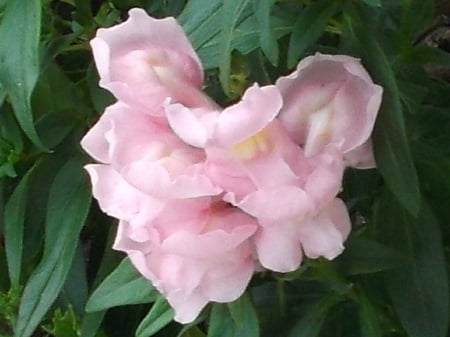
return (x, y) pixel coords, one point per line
(147, 154)
(331, 99)
(194, 255)
(145, 60)
(280, 245)
(250, 155)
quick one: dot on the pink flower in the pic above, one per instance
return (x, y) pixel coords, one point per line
(250, 155)
(145, 60)
(331, 99)
(193, 258)
(147, 154)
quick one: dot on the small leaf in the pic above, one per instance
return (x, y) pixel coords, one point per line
(311, 322)
(309, 27)
(19, 59)
(67, 208)
(123, 286)
(157, 318)
(245, 318)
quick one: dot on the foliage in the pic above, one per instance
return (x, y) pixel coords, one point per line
(64, 280)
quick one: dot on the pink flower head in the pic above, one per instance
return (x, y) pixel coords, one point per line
(250, 155)
(145, 60)
(147, 154)
(194, 255)
(331, 99)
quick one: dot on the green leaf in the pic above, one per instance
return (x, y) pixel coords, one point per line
(231, 13)
(363, 256)
(67, 208)
(244, 316)
(309, 27)
(221, 323)
(311, 322)
(368, 317)
(419, 290)
(157, 318)
(75, 290)
(373, 3)
(123, 286)
(19, 59)
(245, 39)
(267, 39)
(392, 151)
(197, 18)
(91, 323)
(14, 217)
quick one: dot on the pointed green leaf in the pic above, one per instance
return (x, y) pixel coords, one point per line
(68, 205)
(309, 27)
(123, 286)
(14, 218)
(419, 290)
(157, 318)
(19, 59)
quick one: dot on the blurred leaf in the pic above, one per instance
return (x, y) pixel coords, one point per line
(368, 318)
(83, 12)
(196, 20)
(100, 97)
(192, 331)
(123, 286)
(244, 316)
(75, 290)
(67, 208)
(158, 317)
(267, 39)
(221, 323)
(419, 290)
(309, 26)
(19, 59)
(245, 39)
(64, 324)
(363, 256)
(416, 17)
(373, 3)
(14, 217)
(310, 324)
(392, 152)
(91, 323)
(230, 13)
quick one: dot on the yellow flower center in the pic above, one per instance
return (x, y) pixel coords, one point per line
(252, 146)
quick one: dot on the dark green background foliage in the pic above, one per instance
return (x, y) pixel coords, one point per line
(59, 277)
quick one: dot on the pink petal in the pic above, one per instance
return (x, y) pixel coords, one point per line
(258, 107)
(324, 234)
(278, 248)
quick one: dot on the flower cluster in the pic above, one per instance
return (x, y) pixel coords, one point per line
(206, 196)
